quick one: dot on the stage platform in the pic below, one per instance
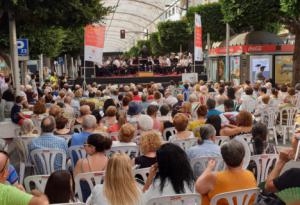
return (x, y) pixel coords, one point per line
(136, 79)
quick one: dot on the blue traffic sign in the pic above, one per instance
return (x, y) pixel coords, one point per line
(22, 45)
(61, 60)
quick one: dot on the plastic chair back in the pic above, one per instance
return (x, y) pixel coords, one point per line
(186, 143)
(132, 151)
(39, 182)
(241, 197)
(177, 199)
(221, 139)
(76, 153)
(246, 141)
(290, 116)
(199, 164)
(264, 163)
(171, 131)
(77, 128)
(142, 173)
(44, 160)
(91, 178)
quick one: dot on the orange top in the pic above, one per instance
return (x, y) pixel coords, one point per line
(227, 181)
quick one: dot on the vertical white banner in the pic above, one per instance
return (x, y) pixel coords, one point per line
(94, 43)
(198, 38)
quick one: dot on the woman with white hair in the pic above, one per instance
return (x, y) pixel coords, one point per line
(195, 104)
(27, 129)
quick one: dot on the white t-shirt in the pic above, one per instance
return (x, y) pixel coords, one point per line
(154, 190)
(97, 197)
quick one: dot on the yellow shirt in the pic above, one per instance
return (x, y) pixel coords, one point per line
(227, 181)
(194, 124)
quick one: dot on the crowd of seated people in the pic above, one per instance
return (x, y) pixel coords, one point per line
(102, 118)
(180, 63)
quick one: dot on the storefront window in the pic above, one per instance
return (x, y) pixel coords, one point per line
(283, 69)
(260, 67)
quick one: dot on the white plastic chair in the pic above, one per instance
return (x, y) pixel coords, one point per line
(171, 131)
(242, 197)
(77, 128)
(248, 139)
(114, 135)
(264, 164)
(199, 164)
(91, 178)
(44, 160)
(143, 173)
(297, 104)
(22, 150)
(221, 139)
(39, 182)
(177, 199)
(269, 118)
(132, 151)
(244, 140)
(76, 153)
(289, 121)
(186, 143)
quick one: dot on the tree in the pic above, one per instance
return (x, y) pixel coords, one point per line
(156, 48)
(259, 14)
(248, 15)
(290, 16)
(173, 35)
(212, 20)
(54, 17)
(142, 43)
(134, 51)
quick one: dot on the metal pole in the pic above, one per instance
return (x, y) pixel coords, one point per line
(66, 65)
(84, 77)
(13, 50)
(41, 70)
(227, 51)
(208, 49)
(72, 68)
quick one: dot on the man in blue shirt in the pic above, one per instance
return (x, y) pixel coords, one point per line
(89, 124)
(48, 140)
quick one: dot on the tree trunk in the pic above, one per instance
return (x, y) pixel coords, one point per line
(296, 58)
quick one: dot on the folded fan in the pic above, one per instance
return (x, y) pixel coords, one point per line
(290, 195)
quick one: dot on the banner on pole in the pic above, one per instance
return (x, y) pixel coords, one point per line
(198, 39)
(94, 43)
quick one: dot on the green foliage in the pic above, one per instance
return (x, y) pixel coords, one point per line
(52, 26)
(134, 51)
(291, 8)
(173, 34)
(247, 15)
(156, 48)
(73, 42)
(66, 13)
(48, 41)
(142, 43)
(212, 20)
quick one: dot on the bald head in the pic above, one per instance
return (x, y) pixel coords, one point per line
(48, 124)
